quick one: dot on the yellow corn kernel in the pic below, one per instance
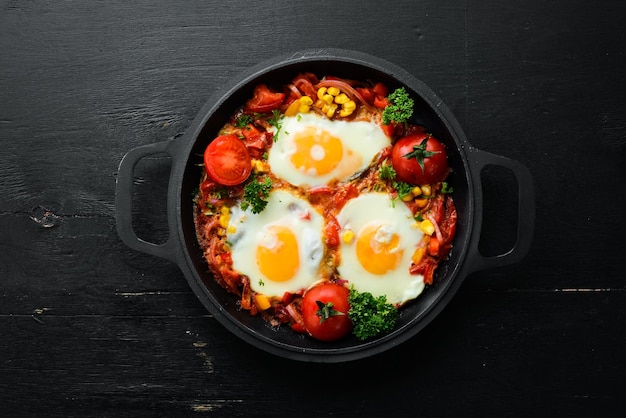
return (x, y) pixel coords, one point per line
(333, 91)
(258, 166)
(221, 232)
(427, 227)
(416, 191)
(407, 198)
(328, 99)
(421, 203)
(224, 217)
(347, 236)
(321, 92)
(426, 190)
(231, 229)
(342, 98)
(418, 254)
(292, 109)
(349, 105)
(305, 104)
(331, 110)
(319, 103)
(261, 301)
(344, 113)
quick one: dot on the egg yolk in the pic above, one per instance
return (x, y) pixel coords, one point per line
(277, 254)
(317, 151)
(377, 249)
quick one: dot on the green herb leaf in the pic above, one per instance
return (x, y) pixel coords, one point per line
(446, 188)
(420, 153)
(370, 315)
(387, 171)
(243, 121)
(403, 189)
(400, 107)
(255, 195)
(276, 121)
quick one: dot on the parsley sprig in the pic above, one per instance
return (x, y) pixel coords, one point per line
(400, 107)
(255, 195)
(276, 121)
(370, 315)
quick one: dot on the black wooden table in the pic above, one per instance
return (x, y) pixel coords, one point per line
(89, 327)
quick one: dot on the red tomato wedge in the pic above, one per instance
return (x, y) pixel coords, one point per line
(227, 160)
(264, 100)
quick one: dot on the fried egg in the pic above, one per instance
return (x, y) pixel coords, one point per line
(379, 238)
(279, 249)
(312, 150)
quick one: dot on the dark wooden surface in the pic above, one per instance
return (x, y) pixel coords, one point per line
(89, 327)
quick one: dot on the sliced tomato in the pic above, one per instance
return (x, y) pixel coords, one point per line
(227, 161)
(264, 100)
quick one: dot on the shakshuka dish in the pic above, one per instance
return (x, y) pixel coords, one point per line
(323, 208)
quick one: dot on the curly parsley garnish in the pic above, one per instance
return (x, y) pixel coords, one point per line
(370, 315)
(400, 107)
(255, 195)
(403, 189)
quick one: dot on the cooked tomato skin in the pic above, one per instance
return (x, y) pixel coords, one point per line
(408, 170)
(334, 327)
(227, 160)
(264, 100)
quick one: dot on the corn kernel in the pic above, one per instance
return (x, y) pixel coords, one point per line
(348, 236)
(416, 191)
(344, 113)
(321, 92)
(258, 166)
(306, 100)
(331, 110)
(426, 190)
(319, 103)
(224, 217)
(427, 227)
(333, 91)
(421, 203)
(328, 98)
(231, 229)
(304, 108)
(342, 98)
(262, 302)
(349, 105)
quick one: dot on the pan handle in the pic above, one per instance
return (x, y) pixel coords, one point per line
(526, 211)
(124, 203)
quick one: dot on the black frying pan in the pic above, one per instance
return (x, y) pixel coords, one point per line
(466, 162)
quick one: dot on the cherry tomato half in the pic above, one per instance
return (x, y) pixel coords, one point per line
(325, 311)
(420, 162)
(227, 160)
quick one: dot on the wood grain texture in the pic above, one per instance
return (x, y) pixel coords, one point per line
(89, 327)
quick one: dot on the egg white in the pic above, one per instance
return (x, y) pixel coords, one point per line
(361, 140)
(378, 209)
(246, 230)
